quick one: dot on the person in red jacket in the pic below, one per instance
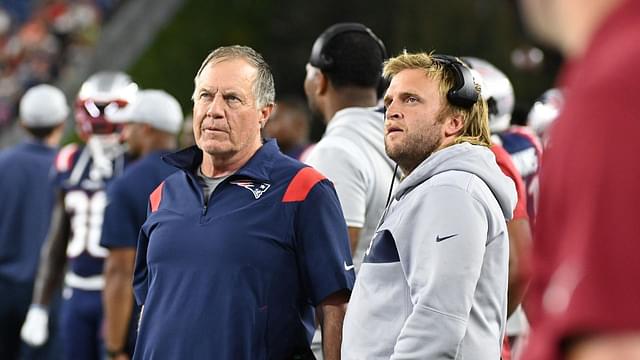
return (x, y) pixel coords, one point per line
(584, 294)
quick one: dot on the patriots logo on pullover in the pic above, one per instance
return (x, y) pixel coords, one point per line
(256, 188)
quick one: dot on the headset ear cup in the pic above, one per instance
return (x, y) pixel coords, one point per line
(464, 92)
(327, 61)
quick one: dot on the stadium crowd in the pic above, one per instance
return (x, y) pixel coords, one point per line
(40, 41)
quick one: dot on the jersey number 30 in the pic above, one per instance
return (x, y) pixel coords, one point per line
(86, 222)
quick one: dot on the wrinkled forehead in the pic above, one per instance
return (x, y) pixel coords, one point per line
(228, 72)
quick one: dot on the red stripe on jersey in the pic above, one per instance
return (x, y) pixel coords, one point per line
(506, 165)
(156, 197)
(302, 184)
(64, 159)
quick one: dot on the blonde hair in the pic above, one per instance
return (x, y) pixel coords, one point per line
(475, 120)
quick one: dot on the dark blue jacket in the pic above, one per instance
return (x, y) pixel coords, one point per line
(26, 201)
(239, 279)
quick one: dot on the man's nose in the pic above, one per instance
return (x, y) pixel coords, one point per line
(392, 111)
(216, 106)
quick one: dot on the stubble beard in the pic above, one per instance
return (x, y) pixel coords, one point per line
(414, 150)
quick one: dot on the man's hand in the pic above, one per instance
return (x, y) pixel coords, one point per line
(119, 355)
(35, 330)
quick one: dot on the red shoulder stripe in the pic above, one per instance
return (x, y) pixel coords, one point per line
(64, 158)
(156, 197)
(508, 168)
(302, 184)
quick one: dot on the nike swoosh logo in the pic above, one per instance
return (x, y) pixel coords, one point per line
(438, 238)
(348, 267)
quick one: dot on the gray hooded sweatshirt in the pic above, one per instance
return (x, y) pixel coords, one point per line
(433, 283)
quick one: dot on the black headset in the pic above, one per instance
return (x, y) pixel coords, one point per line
(323, 61)
(463, 93)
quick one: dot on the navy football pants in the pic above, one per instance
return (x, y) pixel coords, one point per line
(81, 325)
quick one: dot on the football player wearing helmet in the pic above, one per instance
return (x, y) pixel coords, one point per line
(544, 112)
(520, 142)
(518, 152)
(72, 243)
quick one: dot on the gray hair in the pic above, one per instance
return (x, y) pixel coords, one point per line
(263, 85)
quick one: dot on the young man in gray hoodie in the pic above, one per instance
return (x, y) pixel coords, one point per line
(433, 283)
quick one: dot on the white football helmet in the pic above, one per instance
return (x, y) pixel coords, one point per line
(102, 92)
(544, 111)
(497, 91)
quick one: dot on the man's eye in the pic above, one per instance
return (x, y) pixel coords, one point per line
(234, 101)
(411, 99)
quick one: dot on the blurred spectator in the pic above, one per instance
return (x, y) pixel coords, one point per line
(40, 40)
(19, 10)
(289, 125)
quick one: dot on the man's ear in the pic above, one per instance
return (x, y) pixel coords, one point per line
(265, 114)
(322, 83)
(453, 124)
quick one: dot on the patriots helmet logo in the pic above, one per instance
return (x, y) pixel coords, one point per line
(256, 188)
